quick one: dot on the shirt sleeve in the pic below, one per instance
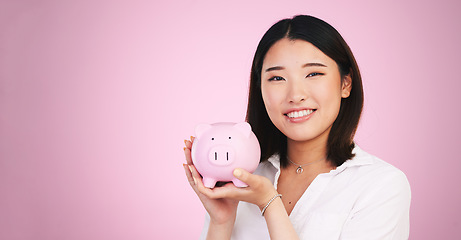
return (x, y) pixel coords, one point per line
(382, 211)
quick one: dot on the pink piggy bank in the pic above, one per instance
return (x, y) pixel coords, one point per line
(220, 148)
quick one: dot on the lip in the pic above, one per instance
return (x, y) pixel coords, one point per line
(299, 119)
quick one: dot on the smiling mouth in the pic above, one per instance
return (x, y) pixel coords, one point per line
(302, 113)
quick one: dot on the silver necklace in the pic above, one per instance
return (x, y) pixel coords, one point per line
(300, 169)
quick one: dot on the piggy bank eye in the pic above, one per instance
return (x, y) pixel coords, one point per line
(229, 137)
(212, 138)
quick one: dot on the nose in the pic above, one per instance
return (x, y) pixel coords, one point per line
(297, 92)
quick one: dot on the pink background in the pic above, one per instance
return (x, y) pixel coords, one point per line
(96, 98)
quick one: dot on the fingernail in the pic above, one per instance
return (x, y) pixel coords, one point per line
(184, 149)
(237, 172)
(185, 141)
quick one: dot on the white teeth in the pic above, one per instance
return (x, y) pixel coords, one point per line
(301, 113)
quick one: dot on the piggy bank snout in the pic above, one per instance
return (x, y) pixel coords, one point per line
(221, 155)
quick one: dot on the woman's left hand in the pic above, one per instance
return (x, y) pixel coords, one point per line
(259, 191)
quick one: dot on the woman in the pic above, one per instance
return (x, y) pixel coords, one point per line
(313, 181)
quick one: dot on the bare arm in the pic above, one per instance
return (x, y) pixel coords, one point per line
(219, 231)
(278, 223)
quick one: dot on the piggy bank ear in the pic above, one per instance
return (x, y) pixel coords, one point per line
(244, 128)
(201, 129)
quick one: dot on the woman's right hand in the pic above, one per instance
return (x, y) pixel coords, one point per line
(222, 211)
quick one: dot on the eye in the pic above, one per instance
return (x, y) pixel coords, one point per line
(229, 137)
(314, 74)
(212, 138)
(276, 78)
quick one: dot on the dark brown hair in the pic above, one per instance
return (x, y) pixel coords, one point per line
(323, 36)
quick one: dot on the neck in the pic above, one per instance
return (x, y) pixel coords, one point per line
(307, 159)
(303, 152)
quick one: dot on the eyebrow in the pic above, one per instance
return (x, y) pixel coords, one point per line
(315, 64)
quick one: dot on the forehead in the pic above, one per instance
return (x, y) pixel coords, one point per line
(295, 52)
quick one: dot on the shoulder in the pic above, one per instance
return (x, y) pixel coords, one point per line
(374, 168)
(379, 198)
(376, 178)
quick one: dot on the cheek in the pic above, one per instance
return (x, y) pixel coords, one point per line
(270, 98)
(329, 95)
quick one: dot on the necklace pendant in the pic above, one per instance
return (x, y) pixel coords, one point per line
(299, 170)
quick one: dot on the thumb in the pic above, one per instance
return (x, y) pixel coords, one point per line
(244, 176)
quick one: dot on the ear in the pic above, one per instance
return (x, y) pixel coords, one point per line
(244, 128)
(346, 86)
(201, 129)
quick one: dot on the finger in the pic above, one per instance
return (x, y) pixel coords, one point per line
(245, 176)
(192, 138)
(187, 154)
(227, 191)
(188, 144)
(256, 184)
(199, 184)
(195, 174)
(189, 175)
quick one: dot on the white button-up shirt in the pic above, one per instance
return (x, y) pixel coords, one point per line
(364, 198)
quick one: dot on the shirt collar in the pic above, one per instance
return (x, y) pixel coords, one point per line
(275, 161)
(361, 158)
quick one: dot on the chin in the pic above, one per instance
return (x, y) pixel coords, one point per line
(299, 138)
(305, 136)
